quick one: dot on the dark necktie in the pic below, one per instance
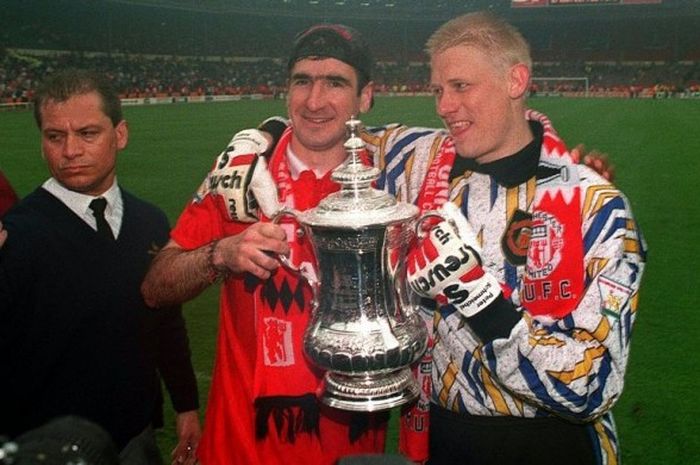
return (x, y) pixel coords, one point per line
(98, 210)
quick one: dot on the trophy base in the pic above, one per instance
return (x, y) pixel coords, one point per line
(369, 392)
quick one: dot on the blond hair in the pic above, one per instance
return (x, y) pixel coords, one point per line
(486, 32)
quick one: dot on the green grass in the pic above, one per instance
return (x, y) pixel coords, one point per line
(653, 143)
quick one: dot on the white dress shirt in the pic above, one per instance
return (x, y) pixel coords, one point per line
(80, 204)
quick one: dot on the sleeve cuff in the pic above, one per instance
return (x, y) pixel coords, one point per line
(495, 321)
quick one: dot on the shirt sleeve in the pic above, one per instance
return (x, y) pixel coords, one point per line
(403, 154)
(173, 358)
(200, 223)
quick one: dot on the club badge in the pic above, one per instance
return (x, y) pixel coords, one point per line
(277, 342)
(546, 244)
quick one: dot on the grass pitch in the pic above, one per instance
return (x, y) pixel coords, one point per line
(653, 143)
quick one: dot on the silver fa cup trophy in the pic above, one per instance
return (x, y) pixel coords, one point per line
(365, 331)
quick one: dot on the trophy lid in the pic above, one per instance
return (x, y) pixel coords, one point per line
(357, 204)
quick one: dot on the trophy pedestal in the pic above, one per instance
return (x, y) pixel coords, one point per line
(369, 392)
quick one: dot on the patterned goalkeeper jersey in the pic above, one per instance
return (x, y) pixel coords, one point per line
(571, 367)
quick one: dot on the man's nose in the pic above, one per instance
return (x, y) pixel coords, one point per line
(445, 103)
(73, 146)
(316, 97)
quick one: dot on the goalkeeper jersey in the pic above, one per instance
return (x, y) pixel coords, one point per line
(571, 367)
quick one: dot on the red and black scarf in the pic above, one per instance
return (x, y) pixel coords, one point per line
(285, 383)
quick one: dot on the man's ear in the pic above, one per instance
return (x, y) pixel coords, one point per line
(367, 97)
(518, 80)
(122, 130)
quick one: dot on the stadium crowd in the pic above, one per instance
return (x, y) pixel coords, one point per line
(139, 76)
(151, 52)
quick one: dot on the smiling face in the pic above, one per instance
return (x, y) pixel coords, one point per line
(323, 94)
(481, 102)
(80, 143)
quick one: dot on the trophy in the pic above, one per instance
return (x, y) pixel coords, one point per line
(364, 331)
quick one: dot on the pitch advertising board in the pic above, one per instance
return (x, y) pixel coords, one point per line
(545, 3)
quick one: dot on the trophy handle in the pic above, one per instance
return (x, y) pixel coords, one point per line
(299, 271)
(420, 233)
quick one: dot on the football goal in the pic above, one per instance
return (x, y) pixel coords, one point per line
(560, 85)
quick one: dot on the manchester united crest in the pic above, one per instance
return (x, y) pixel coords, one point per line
(546, 243)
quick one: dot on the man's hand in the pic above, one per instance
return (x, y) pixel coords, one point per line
(253, 250)
(241, 178)
(446, 266)
(188, 434)
(597, 161)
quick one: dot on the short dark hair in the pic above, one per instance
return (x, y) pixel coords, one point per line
(68, 83)
(335, 41)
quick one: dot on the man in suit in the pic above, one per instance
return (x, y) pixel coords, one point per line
(76, 337)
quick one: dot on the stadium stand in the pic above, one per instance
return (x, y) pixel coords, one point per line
(174, 48)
